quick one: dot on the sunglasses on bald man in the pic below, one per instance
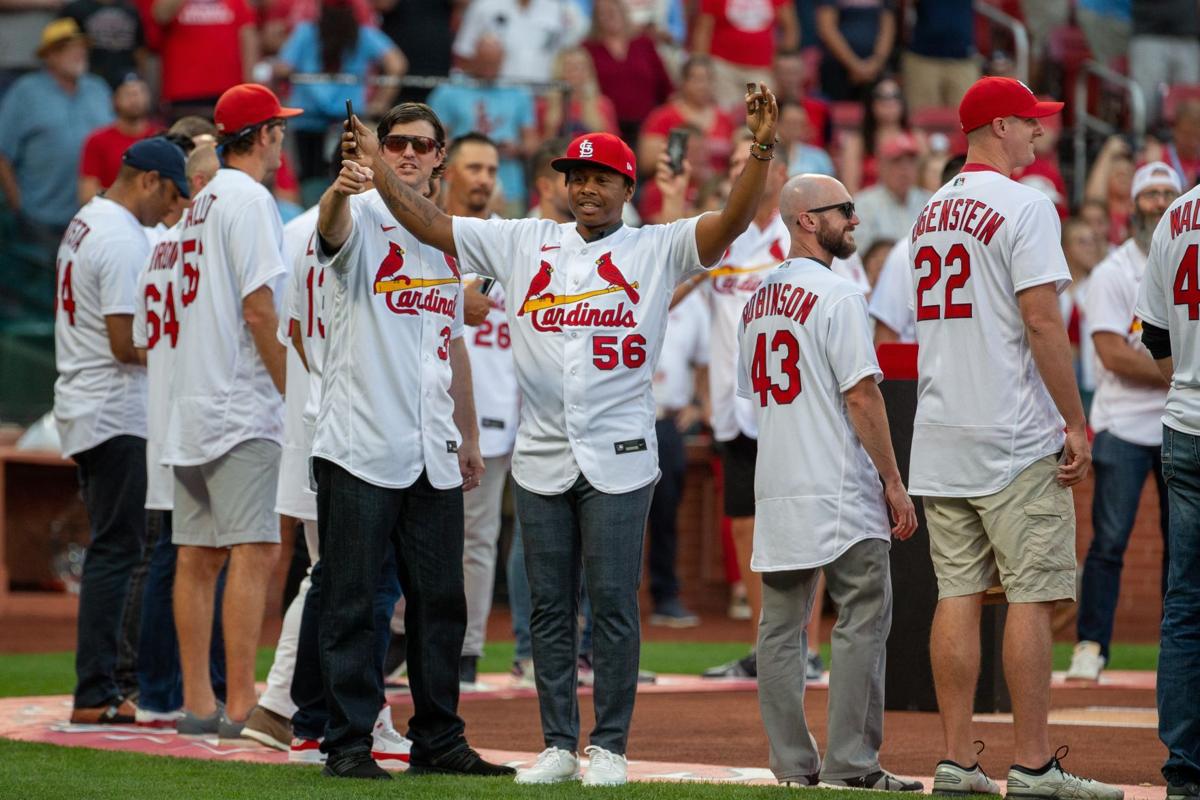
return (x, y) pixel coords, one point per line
(847, 209)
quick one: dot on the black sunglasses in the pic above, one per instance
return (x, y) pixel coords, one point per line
(847, 209)
(398, 143)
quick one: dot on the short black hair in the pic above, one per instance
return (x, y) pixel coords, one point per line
(242, 142)
(414, 112)
(468, 138)
(693, 62)
(183, 142)
(952, 167)
(539, 164)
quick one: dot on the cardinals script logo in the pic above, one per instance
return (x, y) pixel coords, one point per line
(407, 295)
(548, 313)
(731, 279)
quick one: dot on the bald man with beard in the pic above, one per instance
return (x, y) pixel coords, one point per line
(819, 505)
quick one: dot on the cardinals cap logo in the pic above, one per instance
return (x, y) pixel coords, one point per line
(585, 148)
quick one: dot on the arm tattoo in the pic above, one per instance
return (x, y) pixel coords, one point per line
(408, 206)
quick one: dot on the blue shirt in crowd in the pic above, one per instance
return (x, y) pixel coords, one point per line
(42, 128)
(324, 103)
(944, 29)
(499, 112)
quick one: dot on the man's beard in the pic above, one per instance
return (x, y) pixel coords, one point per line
(836, 243)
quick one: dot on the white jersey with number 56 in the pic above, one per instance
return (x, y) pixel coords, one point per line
(983, 412)
(1169, 298)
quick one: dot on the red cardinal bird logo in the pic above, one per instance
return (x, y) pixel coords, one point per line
(452, 263)
(777, 250)
(606, 269)
(393, 262)
(538, 285)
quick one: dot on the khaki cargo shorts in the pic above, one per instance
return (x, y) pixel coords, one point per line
(1022, 537)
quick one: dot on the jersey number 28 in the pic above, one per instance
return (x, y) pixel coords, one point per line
(785, 344)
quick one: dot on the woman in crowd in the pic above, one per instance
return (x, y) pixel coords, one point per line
(884, 114)
(627, 66)
(580, 107)
(695, 105)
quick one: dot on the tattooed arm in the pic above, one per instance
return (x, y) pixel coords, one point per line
(418, 215)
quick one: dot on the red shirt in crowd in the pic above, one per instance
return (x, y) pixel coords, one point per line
(716, 138)
(200, 50)
(743, 30)
(636, 84)
(102, 151)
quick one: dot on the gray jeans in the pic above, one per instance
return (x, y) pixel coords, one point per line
(604, 532)
(481, 526)
(860, 585)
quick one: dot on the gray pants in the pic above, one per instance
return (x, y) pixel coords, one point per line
(481, 508)
(860, 584)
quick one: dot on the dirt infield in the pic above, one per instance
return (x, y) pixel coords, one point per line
(725, 729)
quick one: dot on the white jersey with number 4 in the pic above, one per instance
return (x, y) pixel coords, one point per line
(1170, 299)
(156, 330)
(804, 340)
(232, 244)
(386, 413)
(96, 397)
(983, 412)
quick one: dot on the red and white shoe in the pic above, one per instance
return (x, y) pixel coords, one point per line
(306, 751)
(387, 743)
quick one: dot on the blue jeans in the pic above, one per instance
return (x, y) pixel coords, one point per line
(360, 522)
(1121, 470)
(604, 532)
(1179, 653)
(308, 681)
(160, 683)
(112, 480)
(521, 606)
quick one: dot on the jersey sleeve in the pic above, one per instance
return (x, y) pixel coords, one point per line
(1152, 296)
(1037, 256)
(341, 261)
(891, 301)
(140, 338)
(488, 246)
(679, 250)
(458, 325)
(1107, 307)
(117, 272)
(256, 246)
(848, 343)
(743, 364)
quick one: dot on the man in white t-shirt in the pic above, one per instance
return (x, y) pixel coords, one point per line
(808, 365)
(1169, 306)
(472, 163)
(587, 312)
(995, 386)
(395, 447)
(100, 402)
(1126, 416)
(155, 334)
(224, 429)
(532, 32)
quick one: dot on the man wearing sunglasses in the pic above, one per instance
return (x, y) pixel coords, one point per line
(989, 456)
(587, 310)
(396, 445)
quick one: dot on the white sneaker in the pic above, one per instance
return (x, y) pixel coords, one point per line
(157, 719)
(1086, 662)
(553, 765)
(1059, 784)
(387, 744)
(605, 768)
(306, 751)
(951, 779)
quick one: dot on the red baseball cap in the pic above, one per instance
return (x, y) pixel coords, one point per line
(605, 149)
(990, 98)
(248, 104)
(897, 145)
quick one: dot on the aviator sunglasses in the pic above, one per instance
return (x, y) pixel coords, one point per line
(398, 143)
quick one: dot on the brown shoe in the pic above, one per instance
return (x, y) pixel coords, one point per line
(265, 726)
(119, 712)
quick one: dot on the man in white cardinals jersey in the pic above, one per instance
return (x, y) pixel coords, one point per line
(472, 161)
(1126, 415)
(808, 365)
(995, 386)
(742, 269)
(224, 428)
(1169, 306)
(155, 334)
(100, 402)
(396, 444)
(587, 308)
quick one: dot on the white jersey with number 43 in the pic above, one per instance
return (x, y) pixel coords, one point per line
(983, 412)
(803, 341)
(1169, 298)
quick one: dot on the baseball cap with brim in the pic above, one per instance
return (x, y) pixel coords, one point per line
(992, 97)
(1156, 173)
(243, 106)
(58, 32)
(598, 149)
(162, 156)
(898, 145)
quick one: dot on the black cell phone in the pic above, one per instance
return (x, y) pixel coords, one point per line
(677, 142)
(350, 120)
(485, 285)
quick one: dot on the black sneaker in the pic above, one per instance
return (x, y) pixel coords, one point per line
(360, 766)
(468, 669)
(880, 781)
(744, 667)
(1189, 790)
(463, 761)
(802, 782)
